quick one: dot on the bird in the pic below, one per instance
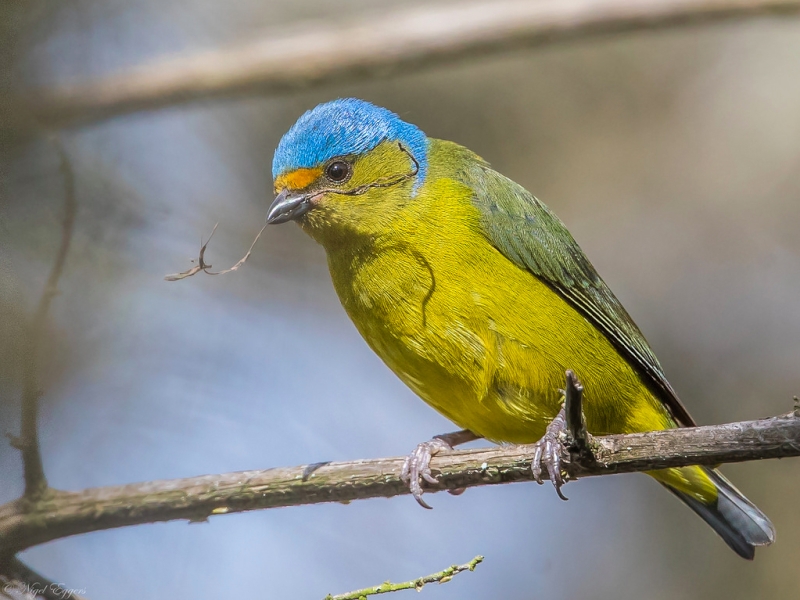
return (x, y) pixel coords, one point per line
(475, 294)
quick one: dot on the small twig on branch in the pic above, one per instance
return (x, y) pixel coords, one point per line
(18, 576)
(415, 584)
(407, 39)
(24, 524)
(28, 441)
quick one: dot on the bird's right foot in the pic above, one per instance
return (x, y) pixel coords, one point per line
(416, 467)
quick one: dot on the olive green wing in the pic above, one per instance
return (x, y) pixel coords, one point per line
(528, 233)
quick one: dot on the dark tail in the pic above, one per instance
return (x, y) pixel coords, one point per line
(737, 520)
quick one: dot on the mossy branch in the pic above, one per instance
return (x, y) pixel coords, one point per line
(386, 587)
(57, 514)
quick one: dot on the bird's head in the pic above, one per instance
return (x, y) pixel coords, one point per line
(347, 164)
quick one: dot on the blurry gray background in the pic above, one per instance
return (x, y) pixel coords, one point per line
(673, 157)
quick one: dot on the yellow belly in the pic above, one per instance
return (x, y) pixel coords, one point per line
(481, 340)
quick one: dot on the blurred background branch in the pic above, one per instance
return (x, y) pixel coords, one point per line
(14, 574)
(28, 441)
(24, 524)
(409, 38)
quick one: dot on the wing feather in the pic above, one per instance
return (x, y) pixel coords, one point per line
(527, 232)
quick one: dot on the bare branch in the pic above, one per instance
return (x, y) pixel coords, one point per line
(386, 587)
(28, 442)
(410, 38)
(60, 514)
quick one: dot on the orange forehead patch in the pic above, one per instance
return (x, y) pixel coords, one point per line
(299, 179)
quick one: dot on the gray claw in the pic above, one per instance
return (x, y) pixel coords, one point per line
(536, 464)
(548, 451)
(416, 467)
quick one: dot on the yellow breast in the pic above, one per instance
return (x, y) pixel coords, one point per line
(484, 342)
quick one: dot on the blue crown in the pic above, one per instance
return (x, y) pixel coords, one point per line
(342, 127)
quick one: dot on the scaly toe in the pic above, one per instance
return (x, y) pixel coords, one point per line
(553, 463)
(536, 464)
(416, 467)
(548, 450)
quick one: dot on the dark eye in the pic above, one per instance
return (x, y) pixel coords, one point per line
(337, 171)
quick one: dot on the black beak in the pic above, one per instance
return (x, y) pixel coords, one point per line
(287, 207)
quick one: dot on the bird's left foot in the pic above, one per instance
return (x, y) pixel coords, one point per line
(550, 451)
(417, 464)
